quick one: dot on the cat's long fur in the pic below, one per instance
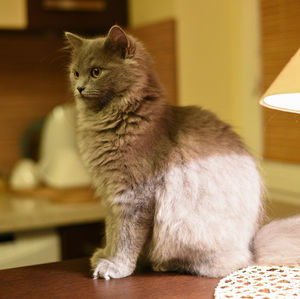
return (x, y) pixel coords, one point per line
(178, 183)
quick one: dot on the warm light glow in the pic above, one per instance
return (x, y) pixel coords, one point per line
(284, 93)
(286, 102)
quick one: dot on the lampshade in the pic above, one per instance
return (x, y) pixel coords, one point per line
(284, 92)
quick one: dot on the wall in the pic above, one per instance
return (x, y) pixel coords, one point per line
(143, 12)
(218, 57)
(13, 14)
(203, 61)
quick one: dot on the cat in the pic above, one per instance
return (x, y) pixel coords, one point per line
(179, 185)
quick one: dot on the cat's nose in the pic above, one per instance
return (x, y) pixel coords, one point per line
(80, 89)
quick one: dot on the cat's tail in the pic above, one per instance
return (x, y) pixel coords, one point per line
(278, 243)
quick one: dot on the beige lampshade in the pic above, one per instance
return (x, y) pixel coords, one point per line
(284, 92)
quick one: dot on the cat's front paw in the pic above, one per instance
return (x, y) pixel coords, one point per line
(97, 255)
(108, 269)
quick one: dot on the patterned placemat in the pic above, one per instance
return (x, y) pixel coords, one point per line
(265, 282)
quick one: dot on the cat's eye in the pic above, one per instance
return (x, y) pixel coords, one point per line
(76, 75)
(96, 72)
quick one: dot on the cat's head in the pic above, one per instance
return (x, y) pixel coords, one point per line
(107, 68)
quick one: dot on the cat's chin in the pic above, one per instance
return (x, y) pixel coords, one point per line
(88, 97)
(94, 103)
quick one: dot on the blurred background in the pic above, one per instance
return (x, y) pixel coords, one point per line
(217, 54)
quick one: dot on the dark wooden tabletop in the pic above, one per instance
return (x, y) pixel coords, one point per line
(72, 279)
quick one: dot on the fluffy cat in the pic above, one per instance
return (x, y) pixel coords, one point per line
(179, 185)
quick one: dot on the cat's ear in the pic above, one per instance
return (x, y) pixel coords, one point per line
(74, 40)
(118, 40)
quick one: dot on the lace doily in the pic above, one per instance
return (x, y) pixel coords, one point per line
(265, 282)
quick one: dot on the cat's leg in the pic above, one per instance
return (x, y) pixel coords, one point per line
(160, 268)
(217, 264)
(172, 265)
(222, 263)
(126, 232)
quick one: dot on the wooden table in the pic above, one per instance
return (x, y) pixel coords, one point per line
(72, 279)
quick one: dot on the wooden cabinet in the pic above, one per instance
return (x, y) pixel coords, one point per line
(80, 15)
(81, 240)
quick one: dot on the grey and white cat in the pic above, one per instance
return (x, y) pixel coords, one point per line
(179, 185)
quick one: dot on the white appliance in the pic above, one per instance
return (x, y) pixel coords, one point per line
(59, 165)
